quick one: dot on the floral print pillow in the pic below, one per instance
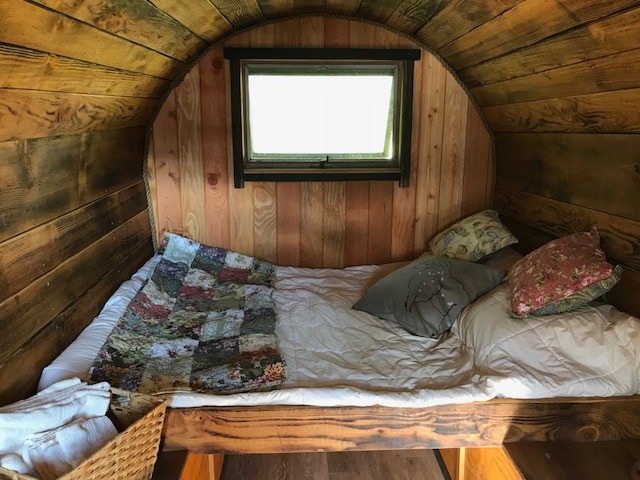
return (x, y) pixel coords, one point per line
(562, 275)
(473, 237)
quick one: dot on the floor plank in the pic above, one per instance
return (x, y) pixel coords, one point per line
(378, 465)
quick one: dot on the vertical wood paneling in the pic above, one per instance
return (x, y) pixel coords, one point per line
(357, 223)
(214, 146)
(336, 35)
(241, 206)
(311, 232)
(265, 236)
(334, 237)
(265, 221)
(380, 211)
(167, 169)
(404, 199)
(429, 152)
(453, 145)
(288, 213)
(310, 34)
(190, 142)
(326, 224)
(477, 164)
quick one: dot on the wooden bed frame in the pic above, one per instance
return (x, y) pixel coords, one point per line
(282, 429)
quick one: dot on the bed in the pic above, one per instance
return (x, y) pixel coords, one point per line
(358, 381)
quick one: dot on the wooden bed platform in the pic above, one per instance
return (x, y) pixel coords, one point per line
(281, 429)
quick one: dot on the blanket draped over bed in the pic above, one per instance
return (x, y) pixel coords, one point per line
(203, 322)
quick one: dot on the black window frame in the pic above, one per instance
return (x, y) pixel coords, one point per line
(323, 170)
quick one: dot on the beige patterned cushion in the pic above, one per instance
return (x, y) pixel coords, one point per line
(473, 237)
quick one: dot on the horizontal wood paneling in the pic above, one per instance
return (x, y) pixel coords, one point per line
(605, 37)
(199, 16)
(81, 313)
(624, 294)
(73, 226)
(377, 10)
(47, 344)
(239, 13)
(410, 15)
(27, 69)
(614, 72)
(20, 373)
(135, 20)
(32, 114)
(26, 257)
(330, 224)
(45, 178)
(276, 8)
(343, 7)
(308, 6)
(619, 237)
(25, 313)
(459, 17)
(479, 424)
(525, 24)
(55, 33)
(609, 112)
(599, 172)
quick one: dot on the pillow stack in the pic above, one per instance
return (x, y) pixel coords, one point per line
(427, 296)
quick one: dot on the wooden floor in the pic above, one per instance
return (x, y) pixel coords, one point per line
(382, 465)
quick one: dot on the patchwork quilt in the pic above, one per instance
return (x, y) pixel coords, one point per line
(203, 322)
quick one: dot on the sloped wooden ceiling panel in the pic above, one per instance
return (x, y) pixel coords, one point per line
(507, 51)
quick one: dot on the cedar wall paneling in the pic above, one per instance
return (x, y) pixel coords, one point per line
(318, 224)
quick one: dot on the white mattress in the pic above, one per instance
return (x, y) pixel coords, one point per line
(338, 356)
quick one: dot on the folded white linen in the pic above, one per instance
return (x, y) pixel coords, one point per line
(13, 461)
(50, 409)
(57, 452)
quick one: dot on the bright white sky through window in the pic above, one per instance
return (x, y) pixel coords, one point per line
(311, 114)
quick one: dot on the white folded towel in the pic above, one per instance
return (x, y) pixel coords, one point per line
(57, 405)
(56, 452)
(13, 461)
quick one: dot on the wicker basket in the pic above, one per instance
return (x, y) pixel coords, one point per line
(132, 454)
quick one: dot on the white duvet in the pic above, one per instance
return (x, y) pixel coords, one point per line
(338, 356)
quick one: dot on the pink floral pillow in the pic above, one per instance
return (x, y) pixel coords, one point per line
(562, 275)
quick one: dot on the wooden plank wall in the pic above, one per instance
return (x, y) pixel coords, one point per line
(564, 110)
(73, 226)
(79, 83)
(319, 224)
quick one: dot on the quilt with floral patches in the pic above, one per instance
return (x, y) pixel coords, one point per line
(203, 322)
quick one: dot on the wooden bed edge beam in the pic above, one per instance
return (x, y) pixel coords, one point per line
(282, 429)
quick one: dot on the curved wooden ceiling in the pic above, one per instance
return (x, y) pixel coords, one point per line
(533, 65)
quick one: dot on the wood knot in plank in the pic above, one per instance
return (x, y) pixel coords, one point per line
(213, 179)
(588, 433)
(217, 64)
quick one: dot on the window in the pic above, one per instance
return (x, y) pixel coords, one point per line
(321, 114)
